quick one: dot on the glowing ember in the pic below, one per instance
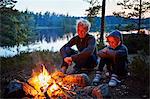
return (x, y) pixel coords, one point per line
(54, 87)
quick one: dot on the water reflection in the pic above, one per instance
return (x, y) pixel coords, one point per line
(37, 46)
(53, 45)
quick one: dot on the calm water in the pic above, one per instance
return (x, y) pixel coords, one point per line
(43, 45)
(37, 46)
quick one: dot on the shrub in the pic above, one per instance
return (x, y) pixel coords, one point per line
(136, 42)
(140, 71)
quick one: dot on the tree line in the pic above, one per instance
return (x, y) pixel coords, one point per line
(27, 27)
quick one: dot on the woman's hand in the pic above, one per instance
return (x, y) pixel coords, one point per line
(68, 60)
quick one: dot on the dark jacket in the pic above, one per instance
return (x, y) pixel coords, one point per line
(120, 52)
(86, 48)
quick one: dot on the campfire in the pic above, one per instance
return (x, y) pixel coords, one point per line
(58, 85)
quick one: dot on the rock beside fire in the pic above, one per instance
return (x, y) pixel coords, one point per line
(14, 89)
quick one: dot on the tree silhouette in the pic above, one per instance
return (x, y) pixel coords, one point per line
(133, 9)
(7, 3)
(94, 11)
(103, 20)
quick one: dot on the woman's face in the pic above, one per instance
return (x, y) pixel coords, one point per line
(82, 30)
(113, 41)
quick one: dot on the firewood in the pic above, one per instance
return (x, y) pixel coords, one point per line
(78, 79)
(58, 75)
(29, 89)
(59, 87)
(33, 81)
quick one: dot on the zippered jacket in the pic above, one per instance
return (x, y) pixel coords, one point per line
(86, 48)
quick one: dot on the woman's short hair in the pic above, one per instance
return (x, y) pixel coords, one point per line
(84, 22)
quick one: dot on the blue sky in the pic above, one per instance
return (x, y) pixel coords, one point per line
(72, 7)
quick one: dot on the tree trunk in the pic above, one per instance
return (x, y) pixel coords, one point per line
(139, 24)
(17, 49)
(102, 21)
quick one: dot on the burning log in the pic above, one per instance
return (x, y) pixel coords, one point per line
(56, 89)
(80, 80)
(58, 76)
(58, 85)
(29, 89)
(41, 83)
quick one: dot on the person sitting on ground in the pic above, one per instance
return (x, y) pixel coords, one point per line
(86, 56)
(114, 56)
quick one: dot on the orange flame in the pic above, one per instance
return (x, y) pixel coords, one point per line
(40, 80)
(54, 87)
(44, 78)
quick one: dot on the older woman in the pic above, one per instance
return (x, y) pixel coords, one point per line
(85, 57)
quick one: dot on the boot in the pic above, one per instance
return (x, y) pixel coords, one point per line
(96, 79)
(114, 81)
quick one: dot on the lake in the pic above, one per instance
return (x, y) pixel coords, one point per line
(36, 46)
(44, 45)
